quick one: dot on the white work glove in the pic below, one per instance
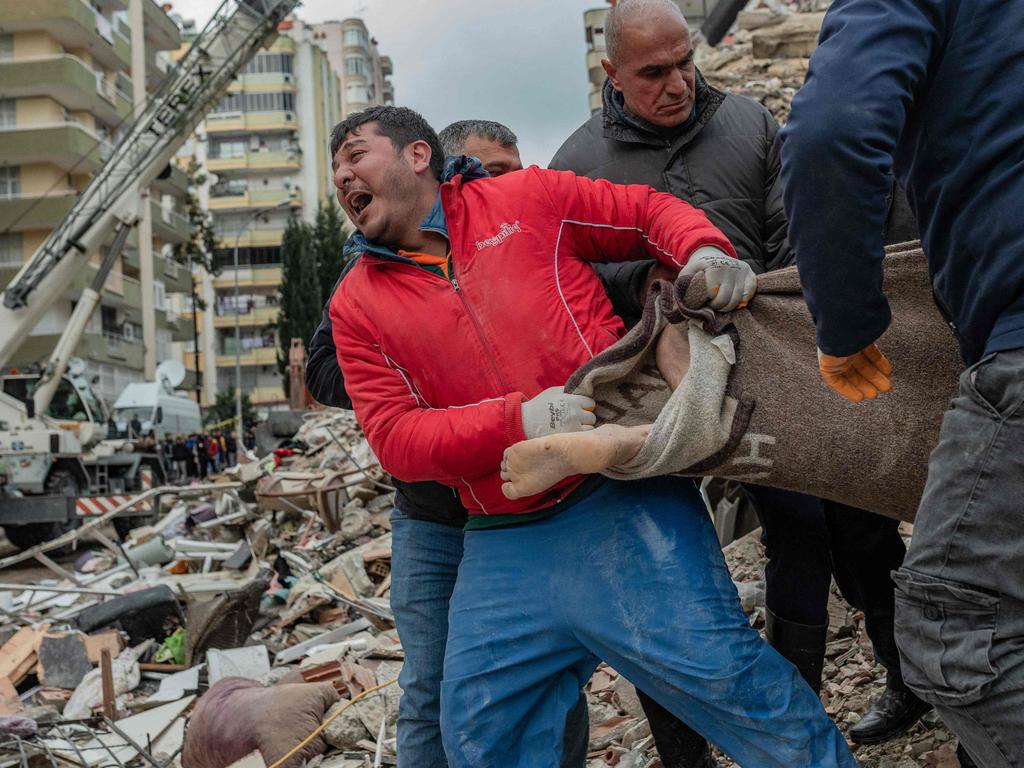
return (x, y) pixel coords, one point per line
(731, 282)
(553, 411)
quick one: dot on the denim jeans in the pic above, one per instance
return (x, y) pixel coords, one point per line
(425, 559)
(632, 574)
(960, 592)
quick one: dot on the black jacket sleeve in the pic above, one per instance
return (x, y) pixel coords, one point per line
(778, 252)
(623, 282)
(324, 379)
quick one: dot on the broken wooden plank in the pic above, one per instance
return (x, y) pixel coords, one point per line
(18, 655)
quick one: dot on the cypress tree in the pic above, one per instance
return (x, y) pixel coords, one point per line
(301, 305)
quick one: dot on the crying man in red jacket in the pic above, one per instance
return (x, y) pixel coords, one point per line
(471, 303)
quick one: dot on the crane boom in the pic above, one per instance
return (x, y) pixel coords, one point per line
(232, 36)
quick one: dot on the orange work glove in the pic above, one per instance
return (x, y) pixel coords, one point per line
(859, 376)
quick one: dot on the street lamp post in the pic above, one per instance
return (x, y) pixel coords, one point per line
(238, 331)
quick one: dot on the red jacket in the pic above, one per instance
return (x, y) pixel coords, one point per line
(438, 369)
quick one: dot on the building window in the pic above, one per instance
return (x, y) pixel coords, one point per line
(269, 255)
(228, 149)
(257, 102)
(8, 113)
(10, 181)
(159, 295)
(6, 47)
(356, 36)
(264, 63)
(356, 93)
(355, 65)
(10, 250)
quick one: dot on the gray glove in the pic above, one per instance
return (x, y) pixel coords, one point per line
(730, 282)
(553, 411)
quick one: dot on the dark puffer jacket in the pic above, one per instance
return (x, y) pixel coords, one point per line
(726, 162)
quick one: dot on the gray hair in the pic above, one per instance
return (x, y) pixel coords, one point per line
(625, 10)
(454, 137)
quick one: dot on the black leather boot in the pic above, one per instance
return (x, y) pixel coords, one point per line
(803, 645)
(678, 745)
(892, 714)
(964, 758)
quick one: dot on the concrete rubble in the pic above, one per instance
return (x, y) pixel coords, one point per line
(265, 589)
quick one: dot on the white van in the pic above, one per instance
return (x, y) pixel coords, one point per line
(156, 406)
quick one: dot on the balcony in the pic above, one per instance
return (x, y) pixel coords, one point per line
(595, 72)
(33, 211)
(253, 238)
(253, 316)
(261, 277)
(263, 81)
(279, 160)
(386, 67)
(169, 226)
(262, 356)
(66, 145)
(176, 183)
(248, 122)
(258, 198)
(67, 79)
(111, 347)
(74, 23)
(161, 31)
(118, 290)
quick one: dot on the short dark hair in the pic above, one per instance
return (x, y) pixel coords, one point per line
(400, 124)
(454, 137)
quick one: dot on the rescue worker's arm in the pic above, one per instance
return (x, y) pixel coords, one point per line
(413, 440)
(837, 153)
(617, 222)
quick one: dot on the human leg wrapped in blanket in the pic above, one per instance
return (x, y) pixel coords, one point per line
(693, 392)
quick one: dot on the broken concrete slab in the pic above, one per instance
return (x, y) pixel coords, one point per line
(63, 659)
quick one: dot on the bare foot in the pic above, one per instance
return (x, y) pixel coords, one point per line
(535, 465)
(672, 355)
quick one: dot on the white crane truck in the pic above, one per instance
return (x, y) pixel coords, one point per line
(52, 459)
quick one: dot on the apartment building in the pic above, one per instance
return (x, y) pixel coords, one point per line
(695, 11)
(365, 74)
(65, 98)
(264, 149)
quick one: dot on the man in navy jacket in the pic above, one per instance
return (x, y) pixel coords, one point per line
(931, 90)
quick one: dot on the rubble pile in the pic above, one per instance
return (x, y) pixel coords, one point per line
(253, 609)
(766, 58)
(250, 627)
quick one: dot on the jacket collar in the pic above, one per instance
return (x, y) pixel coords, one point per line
(456, 168)
(622, 126)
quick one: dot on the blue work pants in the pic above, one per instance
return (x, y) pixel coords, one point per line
(632, 574)
(425, 560)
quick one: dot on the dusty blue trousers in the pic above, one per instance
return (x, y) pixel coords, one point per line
(632, 574)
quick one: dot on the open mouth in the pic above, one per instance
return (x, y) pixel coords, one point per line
(358, 200)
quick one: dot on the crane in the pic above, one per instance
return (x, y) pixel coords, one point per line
(41, 457)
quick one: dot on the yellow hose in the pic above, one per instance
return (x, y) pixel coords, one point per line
(302, 744)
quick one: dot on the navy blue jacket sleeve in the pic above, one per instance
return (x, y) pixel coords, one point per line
(873, 60)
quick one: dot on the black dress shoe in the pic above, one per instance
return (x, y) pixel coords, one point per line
(893, 713)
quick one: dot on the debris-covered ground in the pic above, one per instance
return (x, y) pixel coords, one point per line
(255, 609)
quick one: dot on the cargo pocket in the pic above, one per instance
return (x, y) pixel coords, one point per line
(944, 632)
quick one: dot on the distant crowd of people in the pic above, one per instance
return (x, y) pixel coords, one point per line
(196, 456)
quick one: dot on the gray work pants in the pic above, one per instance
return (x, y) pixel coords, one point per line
(960, 592)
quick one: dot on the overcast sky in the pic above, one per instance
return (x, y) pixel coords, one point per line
(521, 62)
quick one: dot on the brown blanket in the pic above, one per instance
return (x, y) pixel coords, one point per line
(753, 407)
